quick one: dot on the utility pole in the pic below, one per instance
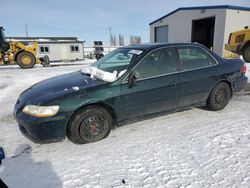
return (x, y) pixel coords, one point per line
(26, 29)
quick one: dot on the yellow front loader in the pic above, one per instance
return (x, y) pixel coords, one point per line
(239, 43)
(24, 55)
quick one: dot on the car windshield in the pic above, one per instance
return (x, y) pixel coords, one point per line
(118, 60)
(114, 64)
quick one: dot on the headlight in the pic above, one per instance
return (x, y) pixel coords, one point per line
(41, 111)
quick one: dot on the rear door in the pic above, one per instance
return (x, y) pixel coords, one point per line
(156, 85)
(198, 74)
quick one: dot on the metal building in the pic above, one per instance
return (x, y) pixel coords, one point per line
(208, 25)
(57, 48)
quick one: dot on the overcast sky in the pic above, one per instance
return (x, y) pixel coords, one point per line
(90, 19)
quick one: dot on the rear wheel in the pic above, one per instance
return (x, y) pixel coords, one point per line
(246, 54)
(90, 124)
(219, 97)
(99, 56)
(45, 61)
(26, 60)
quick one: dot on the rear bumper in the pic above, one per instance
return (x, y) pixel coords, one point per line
(43, 130)
(240, 84)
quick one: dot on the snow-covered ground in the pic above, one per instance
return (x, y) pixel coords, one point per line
(193, 148)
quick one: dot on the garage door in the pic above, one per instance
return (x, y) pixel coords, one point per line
(161, 34)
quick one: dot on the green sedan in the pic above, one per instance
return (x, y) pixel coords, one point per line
(131, 82)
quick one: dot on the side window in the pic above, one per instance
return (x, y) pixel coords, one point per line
(194, 57)
(44, 49)
(158, 62)
(74, 48)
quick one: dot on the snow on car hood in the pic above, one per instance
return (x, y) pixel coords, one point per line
(96, 73)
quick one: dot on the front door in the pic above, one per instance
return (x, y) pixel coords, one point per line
(156, 87)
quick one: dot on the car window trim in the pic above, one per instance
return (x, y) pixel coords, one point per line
(177, 58)
(206, 52)
(176, 72)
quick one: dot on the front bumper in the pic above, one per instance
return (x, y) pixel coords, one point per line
(43, 130)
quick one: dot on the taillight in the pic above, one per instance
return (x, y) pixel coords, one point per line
(244, 68)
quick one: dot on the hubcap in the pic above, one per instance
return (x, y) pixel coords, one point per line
(26, 60)
(220, 96)
(93, 127)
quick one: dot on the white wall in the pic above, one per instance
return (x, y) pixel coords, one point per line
(62, 51)
(180, 26)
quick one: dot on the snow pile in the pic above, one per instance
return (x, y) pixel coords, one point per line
(76, 88)
(44, 40)
(102, 75)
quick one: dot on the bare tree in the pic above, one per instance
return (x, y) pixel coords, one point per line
(135, 39)
(115, 41)
(111, 39)
(121, 40)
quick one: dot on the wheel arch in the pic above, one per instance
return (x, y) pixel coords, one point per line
(230, 84)
(106, 106)
(16, 54)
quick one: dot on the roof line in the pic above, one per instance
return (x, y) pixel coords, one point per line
(55, 38)
(203, 7)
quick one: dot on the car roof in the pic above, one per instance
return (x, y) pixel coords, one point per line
(151, 46)
(147, 47)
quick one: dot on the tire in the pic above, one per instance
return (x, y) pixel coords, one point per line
(26, 60)
(246, 53)
(84, 125)
(45, 61)
(99, 56)
(219, 97)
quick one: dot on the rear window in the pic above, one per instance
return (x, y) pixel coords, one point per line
(194, 57)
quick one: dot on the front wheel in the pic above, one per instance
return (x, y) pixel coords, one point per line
(219, 97)
(246, 54)
(26, 60)
(89, 124)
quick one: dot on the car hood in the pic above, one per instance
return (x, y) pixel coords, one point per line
(55, 87)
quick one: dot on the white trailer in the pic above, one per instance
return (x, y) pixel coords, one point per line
(58, 49)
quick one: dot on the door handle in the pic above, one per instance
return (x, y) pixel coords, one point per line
(172, 85)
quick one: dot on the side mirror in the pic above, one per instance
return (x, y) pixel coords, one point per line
(131, 79)
(2, 156)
